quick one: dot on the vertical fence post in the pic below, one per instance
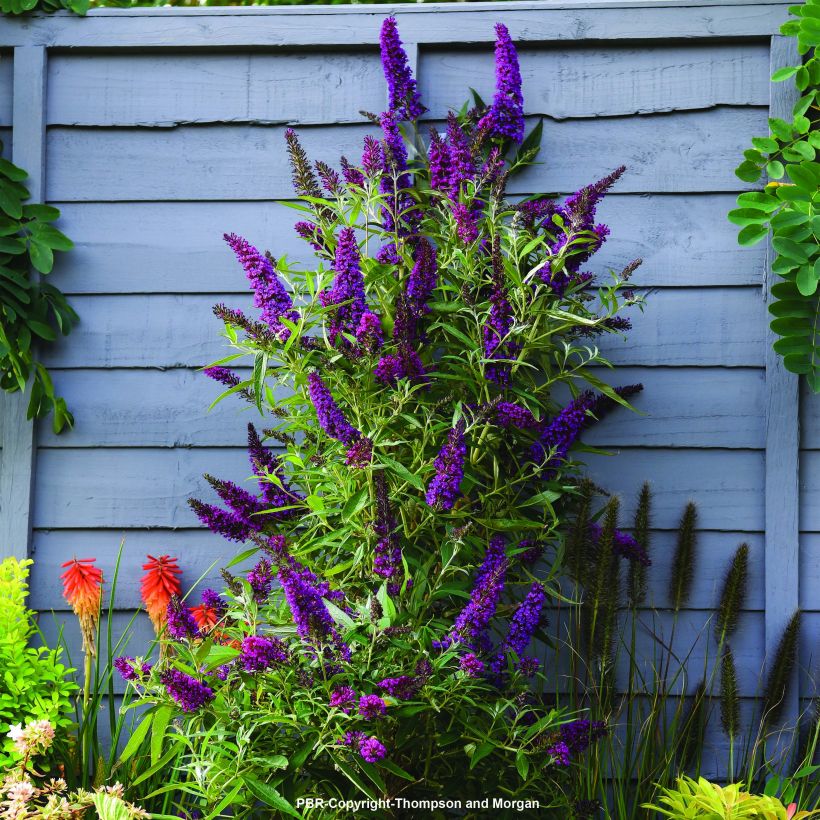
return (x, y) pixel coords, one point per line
(782, 439)
(19, 449)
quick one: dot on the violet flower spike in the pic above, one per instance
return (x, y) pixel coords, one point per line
(331, 418)
(443, 490)
(223, 523)
(188, 692)
(505, 117)
(270, 295)
(403, 95)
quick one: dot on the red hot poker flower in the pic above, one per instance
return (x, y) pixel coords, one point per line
(159, 584)
(82, 588)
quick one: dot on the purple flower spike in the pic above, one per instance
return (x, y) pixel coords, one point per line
(181, 623)
(347, 293)
(226, 524)
(509, 414)
(470, 628)
(472, 665)
(264, 463)
(261, 580)
(223, 375)
(423, 277)
(466, 222)
(341, 698)
(440, 163)
(310, 233)
(188, 692)
(372, 750)
(372, 707)
(401, 85)
(125, 666)
(359, 454)
(352, 175)
(331, 418)
(310, 615)
(404, 687)
(522, 627)
(462, 165)
(372, 157)
(575, 739)
(259, 654)
(387, 561)
(270, 295)
(443, 490)
(505, 117)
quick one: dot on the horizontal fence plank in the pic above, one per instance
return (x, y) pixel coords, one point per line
(603, 82)
(6, 87)
(156, 408)
(110, 488)
(5, 139)
(158, 89)
(684, 407)
(177, 247)
(202, 553)
(129, 89)
(726, 485)
(694, 151)
(431, 23)
(678, 327)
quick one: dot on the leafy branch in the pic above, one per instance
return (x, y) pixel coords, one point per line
(31, 310)
(787, 208)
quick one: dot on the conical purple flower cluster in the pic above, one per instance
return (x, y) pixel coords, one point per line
(522, 627)
(401, 86)
(275, 494)
(472, 624)
(563, 430)
(224, 523)
(387, 561)
(505, 117)
(180, 621)
(347, 293)
(331, 418)
(223, 375)
(260, 579)
(443, 490)
(578, 215)
(498, 324)
(259, 653)
(243, 504)
(270, 295)
(310, 615)
(188, 692)
(509, 414)
(423, 277)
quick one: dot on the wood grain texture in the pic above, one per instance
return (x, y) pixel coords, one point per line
(782, 496)
(726, 485)
(679, 327)
(18, 446)
(588, 81)
(143, 487)
(286, 28)
(177, 247)
(158, 89)
(682, 407)
(677, 152)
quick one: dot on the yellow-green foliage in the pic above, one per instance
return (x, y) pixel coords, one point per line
(33, 683)
(702, 800)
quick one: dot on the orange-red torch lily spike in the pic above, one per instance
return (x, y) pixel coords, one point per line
(160, 582)
(82, 588)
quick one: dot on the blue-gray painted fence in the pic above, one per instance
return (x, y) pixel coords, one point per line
(156, 130)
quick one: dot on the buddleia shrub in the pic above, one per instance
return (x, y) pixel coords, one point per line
(423, 387)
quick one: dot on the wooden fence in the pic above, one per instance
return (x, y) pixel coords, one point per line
(156, 130)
